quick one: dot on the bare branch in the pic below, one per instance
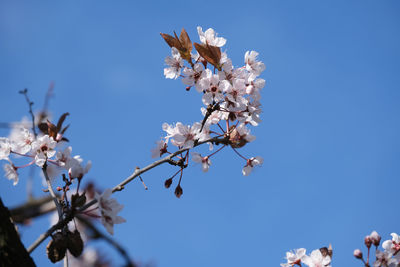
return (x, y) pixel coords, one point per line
(69, 216)
(30, 103)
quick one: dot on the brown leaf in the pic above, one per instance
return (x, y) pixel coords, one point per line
(210, 53)
(52, 129)
(61, 121)
(43, 128)
(75, 243)
(171, 41)
(185, 40)
(78, 200)
(56, 248)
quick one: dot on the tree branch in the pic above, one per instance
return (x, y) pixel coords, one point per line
(61, 223)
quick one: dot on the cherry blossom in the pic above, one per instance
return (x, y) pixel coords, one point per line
(252, 65)
(21, 140)
(43, 148)
(11, 173)
(109, 207)
(316, 259)
(5, 148)
(251, 163)
(384, 259)
(392, 246)
(210, 37)
(175, 62)
(160, 149)
(205, 161)
(294, 258)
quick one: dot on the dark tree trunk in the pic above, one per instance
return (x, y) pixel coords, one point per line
(12, 251)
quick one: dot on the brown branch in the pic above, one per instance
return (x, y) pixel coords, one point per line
(32, 208)
(30, 103)
(119, 187)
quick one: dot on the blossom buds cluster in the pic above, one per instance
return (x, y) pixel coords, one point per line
(41, 150)
(230, 95)
(390, 255)
(318, 257)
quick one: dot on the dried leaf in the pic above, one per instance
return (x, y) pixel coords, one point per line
(210, 53)
(171, 41)
(75, 243)
(61, 121)
(43, 128)
(56, 248)
(185, 41)
(78, 200)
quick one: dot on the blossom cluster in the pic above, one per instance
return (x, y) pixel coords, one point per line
(48, 150)
(318, 258)
(389, 257)
(43, 149)
(231, 96)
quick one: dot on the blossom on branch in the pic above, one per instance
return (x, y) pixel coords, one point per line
(109, 207)
(43, 147)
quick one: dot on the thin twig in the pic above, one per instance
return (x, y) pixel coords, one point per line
(30, 103)
(119, 187)
(53, 195)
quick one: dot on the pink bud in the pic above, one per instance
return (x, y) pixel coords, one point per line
(375, 238)
(368, 241)
(358, 254)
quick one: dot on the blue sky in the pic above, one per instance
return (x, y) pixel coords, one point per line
(329, 137)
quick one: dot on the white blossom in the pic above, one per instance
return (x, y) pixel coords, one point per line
(109, 207)
(210, 37)
(185, 135)
(43, 147)
(252, 65)
(294, 257)
(205, 161)
(316, 259)
(5, 148)
(384, 259)
(392, 246)
(175, 64)
(251, 163)
(192, 76)
(11, 173)
(21, 140)
(161, 148)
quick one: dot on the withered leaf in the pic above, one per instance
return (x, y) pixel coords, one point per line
(182, 44)
(210, 53)
(171, 41)
(185, 40)
(75, 243)
(61, 121)
(56, 248)
(78, 200)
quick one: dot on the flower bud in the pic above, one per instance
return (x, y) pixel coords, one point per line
(375, 238)
(358, 254)
(178, 191)
(368, 241)
(168, 183)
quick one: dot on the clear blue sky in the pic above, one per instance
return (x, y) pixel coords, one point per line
(329, 137)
